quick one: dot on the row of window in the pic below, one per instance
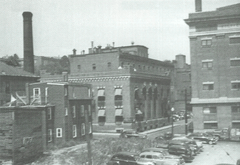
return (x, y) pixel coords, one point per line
(140, 67)
(214, 125)
(235, 85)
(213, 110)
(209, 63)
(81, 110)
(74, 131)
(207, 42)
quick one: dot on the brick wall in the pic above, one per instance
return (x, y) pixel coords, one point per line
(6, 134)
(28, 142)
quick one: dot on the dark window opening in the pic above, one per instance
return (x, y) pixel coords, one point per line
(210, 125)
(234, 40)
(236, 85)
(235, 109)
(94, 66)
(118, 97)
(235, 62)
(208, 86)
(118, 118)
(101, 119)
(101, 98)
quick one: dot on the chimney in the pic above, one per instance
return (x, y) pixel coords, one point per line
(74, 51)
(198, 5)
(65, 76)
(92, 46)
(28, 42)
(113, 44)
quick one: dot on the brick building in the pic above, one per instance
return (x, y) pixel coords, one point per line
(13, 80)
(49, 114)
(127, 86)
(215, 61)
(71, 100)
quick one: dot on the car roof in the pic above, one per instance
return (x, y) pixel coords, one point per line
(150, 153)
(126, 153)
(153, 149)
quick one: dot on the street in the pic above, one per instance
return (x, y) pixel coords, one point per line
(222, 153)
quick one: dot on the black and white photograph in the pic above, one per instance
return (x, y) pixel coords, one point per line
(120, 82)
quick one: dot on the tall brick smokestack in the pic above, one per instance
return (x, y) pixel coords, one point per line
(28, 42)
(198, 5)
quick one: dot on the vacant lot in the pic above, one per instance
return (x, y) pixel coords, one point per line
(220, 154)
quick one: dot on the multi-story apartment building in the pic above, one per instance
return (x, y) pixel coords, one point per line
(215, 66)
(127, 86)
(71, 100)
(13, 80)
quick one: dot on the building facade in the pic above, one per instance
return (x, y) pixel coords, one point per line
(130, 90)
(72, 101)
(215, 67)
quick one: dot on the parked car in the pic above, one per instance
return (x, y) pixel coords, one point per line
(165, 154)
(205, 138)
(127, 158)
(132, 133)
(197, 146)
(157, 159)
(182, 149)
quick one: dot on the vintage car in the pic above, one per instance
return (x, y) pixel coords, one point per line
(205, 138)
(182, 149)
(157, 159)
(198, 147)
(165, 154)
(127, 158)
(132, 134)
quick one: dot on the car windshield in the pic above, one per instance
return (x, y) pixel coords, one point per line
(165, 153)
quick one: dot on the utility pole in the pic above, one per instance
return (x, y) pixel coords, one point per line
(185, 116)
(86, 114)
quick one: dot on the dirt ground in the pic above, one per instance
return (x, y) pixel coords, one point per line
(223, 153)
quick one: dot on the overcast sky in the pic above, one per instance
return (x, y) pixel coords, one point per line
(59, 26)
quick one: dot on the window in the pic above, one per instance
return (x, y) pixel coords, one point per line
(236, 124)
(46, 94)
(6, 87)
(235, 109)
(206, 42)
(208, 110)
(49, 113)
(235, 85)
(234, 39)
(59, 132)
(49, 135)
(36, 92)
(109, 65)
(90, 127)
(210, 125)
(235, 62)
(65, 91)
(101, 116)
(208, 86)
(74, 111)
(79, 67)
(89, 110)
(93, 66)
(207, 64)
(74, 129)
(83, 129)
(66, 111)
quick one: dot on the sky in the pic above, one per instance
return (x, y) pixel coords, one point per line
(59, 26)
